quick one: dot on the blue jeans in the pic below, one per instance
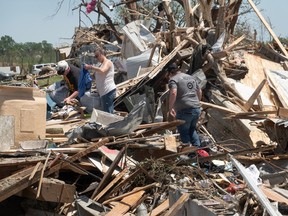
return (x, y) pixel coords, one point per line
(107, 101)
(188, 133)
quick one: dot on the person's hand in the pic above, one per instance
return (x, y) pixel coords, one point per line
(172, 113)
(87, 66)
(67, 100)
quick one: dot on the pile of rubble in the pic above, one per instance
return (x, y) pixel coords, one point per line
(88, 162)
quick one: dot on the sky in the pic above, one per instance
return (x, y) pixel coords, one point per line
(38, 20)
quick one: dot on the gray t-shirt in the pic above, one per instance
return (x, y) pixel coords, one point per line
(187, 88)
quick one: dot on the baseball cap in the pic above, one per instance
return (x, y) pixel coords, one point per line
(172, 67)
(61, 66)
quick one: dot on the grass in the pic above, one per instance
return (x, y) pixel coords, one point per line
(43, 82)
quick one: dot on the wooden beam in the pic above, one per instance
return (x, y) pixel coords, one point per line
(234, 43)
(111, 184)
(136, 190)
(42, 174)
(221, 108)
(38, 166)
(123, 207)
(245, 114)
(188, 12)
(125, 181)
(108, 174)
(268, 28)
(160, 209)
(254, 96)
(177, 205)
(159, 129)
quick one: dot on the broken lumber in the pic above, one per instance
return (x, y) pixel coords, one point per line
(20, 180)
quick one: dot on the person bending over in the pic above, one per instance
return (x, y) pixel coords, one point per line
(71, 76)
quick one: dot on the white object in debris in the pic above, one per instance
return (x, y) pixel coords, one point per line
(140, 61)
(255, 173)
(137, 39)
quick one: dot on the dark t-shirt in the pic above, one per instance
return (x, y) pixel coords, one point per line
(187, 88)
(72, 78)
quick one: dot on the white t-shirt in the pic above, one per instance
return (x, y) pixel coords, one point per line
(105, 81)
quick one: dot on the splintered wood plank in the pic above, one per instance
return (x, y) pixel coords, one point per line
(177, 205)
(125, 204)
(38, 167)
(170, 143)
(254, 96)
(167, 125)
(104, 182)
(273, 195)
(14, 183)
(111, 184)
(135, 190)
(160, 209)
(235, 43)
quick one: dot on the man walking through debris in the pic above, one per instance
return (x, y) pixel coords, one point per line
(71, 76)
(184, 104)
(104, 76)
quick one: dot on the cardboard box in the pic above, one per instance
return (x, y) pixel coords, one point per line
(23, 110)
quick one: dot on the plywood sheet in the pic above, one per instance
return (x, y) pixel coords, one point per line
(256, 73)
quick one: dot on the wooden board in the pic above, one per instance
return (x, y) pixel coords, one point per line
(256, 74)
(271, 194)
(160, 209)
(170, 143)
(124, 205)
(177, 205)
(52, 190)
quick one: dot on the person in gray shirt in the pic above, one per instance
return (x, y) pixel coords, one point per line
(184, 104)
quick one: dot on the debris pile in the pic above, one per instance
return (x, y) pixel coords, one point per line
(131, 163)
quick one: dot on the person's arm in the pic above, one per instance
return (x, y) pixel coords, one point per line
(199, 94)
(103, 69)
(172, 99)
